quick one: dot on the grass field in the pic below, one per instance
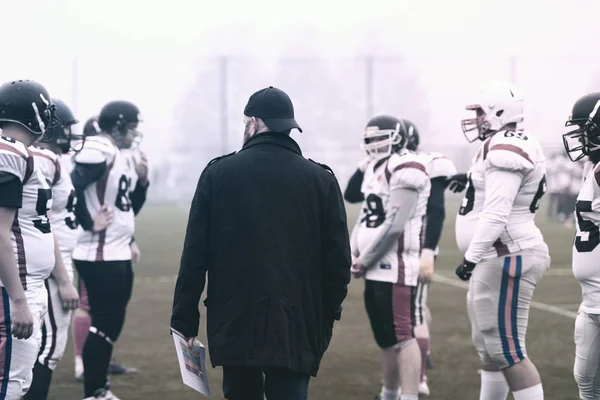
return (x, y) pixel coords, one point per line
(350, 369)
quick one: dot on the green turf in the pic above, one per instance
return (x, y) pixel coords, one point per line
(350, 369)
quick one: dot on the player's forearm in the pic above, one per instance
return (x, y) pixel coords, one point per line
(402, 204)
(353, 194)
(9, 270)
(60, 271)
(500, 196)
(138, 196)
(436, 213)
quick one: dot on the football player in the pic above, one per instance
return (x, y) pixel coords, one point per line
(505, 254)
(47, 156)
(128, 143)
(581, 142)
(441, 172)
(28, 252)
(102, 179)
(385, 248)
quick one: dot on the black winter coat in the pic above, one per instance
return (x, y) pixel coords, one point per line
(269, 227)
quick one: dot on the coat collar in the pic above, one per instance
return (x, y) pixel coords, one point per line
(278, 139)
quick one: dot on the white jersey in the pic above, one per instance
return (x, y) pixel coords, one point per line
(586, 249)
(439, 166)
(62, 217)
(113, 189)
(131, 157)
(31, 235)
(514, 152)
(402, 261)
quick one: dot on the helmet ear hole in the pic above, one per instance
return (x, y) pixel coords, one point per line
(499, 113)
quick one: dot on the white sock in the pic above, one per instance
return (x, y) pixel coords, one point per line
(409, 397)
(531, 393)
(78, 365)
(389, 394)
(493, 386)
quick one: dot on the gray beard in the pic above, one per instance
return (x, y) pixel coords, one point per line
(247, 133)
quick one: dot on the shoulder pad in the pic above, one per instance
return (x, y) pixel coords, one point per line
(507, 150)
(214, 160)
(324, 166)
(441, 166)
(15, 159)
(47, 162)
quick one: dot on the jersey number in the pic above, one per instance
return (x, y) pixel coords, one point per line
(70, 219)
(467, 203)
(42, 223)
(535, 204)
(517, 134)
(375, 214)
(586, 227)
(123, 203)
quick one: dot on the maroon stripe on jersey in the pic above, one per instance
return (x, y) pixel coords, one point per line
(100, 249)
(513, 148)
(501, 248)
(486, 147)
(411, 164)
(101, 191)
(46, 156)
(4, 146)
(57, 170)
(101, 184)
(21, 260)
(401, 266)
(29, 168)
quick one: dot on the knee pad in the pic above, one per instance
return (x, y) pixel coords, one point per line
(102, 335)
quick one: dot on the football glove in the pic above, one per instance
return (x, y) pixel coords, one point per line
(457, 183)
(465, 270)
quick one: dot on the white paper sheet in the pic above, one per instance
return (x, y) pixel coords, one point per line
(192, 363)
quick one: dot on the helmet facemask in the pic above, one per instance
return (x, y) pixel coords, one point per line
(126, 134)
(479, 124)
(380, 143)
(582, 141)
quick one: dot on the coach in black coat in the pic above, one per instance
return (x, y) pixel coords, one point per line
(269, 227)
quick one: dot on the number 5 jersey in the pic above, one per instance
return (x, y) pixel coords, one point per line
(109, 184)
(404, 170)
(31, 236)
(586, 249)
(490, 222)
(62, 217)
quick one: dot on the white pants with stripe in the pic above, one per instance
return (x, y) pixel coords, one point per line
(587, 355)
(498, 301)
(17, 356)
(421, 294)
(55, 330)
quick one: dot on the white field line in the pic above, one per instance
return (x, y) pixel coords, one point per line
(534, 304)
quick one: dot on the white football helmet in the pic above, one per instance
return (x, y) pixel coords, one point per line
(497, 104)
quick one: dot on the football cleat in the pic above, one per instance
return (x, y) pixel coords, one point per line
(118, 369)
(424, 388)
(102, 394)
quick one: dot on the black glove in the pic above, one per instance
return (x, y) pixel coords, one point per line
(457, 183)
(465, 270)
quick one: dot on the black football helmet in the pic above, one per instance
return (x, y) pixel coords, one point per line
(384, 135)
(60, 132)
(584, 140)
(120, 119)
(412, 141)
(28, 104)
(91, 127)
